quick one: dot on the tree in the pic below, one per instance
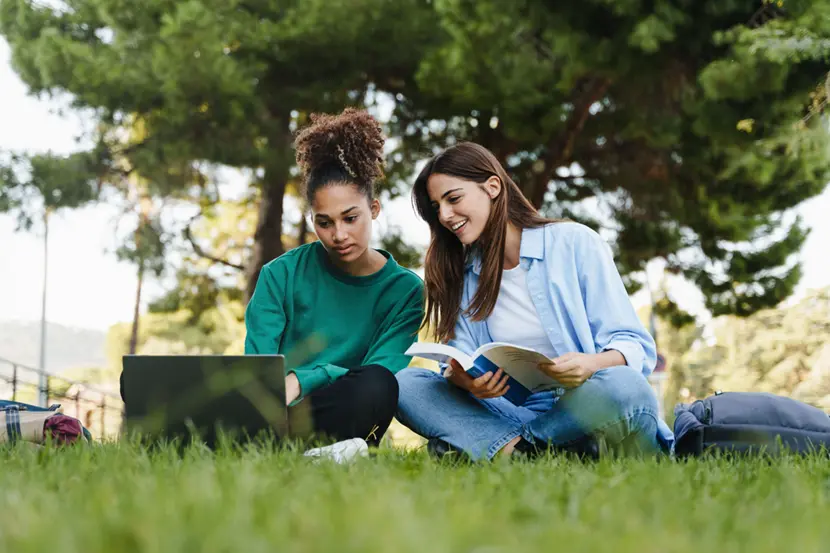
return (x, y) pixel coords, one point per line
(146, 250)
(772, 351)
(206, 280)
(36, 186)
(687, 130)
(204, 312)
(692, 127)
(218, 82)
(217, 330)
(32, 186)
(783, 351)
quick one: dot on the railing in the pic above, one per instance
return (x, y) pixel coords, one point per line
(99, 410)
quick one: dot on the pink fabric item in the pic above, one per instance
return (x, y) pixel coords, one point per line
(64, 429)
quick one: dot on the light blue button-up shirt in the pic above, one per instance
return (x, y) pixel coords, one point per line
(579, 297)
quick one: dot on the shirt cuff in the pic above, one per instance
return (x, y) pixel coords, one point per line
(310, 380)
(633, 353)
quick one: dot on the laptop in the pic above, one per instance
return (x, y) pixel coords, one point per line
(201, 397)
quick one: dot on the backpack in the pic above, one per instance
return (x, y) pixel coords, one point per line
(30, 423)
(749, 422)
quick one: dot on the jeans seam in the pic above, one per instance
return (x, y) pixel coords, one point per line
(499, 444)
(629, 417)
(602, 429)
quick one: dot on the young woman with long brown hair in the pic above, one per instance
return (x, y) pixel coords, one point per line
(496, 271)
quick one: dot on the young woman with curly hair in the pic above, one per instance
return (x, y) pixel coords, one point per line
(342, 312)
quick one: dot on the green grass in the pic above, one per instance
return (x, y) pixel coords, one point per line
(113, 498)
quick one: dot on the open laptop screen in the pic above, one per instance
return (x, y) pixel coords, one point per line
(177, 396)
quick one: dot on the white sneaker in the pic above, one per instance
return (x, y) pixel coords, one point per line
(341, 452)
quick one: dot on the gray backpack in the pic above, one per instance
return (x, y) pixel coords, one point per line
(749, 422)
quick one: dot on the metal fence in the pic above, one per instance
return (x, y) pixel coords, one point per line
(100, 410)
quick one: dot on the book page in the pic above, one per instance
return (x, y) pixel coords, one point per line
(440, 353)
(521, 364)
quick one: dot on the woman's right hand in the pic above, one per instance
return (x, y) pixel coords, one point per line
(486, 386)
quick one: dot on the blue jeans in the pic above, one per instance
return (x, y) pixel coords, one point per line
(616, 405)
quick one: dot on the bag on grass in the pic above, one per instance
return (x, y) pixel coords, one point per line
(30, 423)
(750, 422)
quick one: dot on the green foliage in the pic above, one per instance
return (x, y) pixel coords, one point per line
(32, 185)
(407, 256)
(695, 126)
(196, 294)
(218, 241)
(118, 497)
(667, 310)
(784, 351)
(214, 82)
(147, 246)
(219, 329)
(204, 311)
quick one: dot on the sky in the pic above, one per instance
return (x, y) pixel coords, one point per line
(89, 288)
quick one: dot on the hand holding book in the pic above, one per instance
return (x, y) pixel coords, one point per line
(521, 365)
(513, 371)
(572, 369)
(486, 386)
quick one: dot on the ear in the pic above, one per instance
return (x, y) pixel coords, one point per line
(374, 206)
(493, 187)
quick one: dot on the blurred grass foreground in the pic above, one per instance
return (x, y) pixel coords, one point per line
(116, 497)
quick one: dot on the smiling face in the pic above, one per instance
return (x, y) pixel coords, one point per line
(343, 221)
(462, 206)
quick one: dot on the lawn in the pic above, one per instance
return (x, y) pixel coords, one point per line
(114, 498)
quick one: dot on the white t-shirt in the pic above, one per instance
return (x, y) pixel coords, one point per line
(514, 319)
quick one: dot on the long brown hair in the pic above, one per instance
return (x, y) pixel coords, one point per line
(446, 256)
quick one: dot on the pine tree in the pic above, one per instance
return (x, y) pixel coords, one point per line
(685, 129)
(215, 81)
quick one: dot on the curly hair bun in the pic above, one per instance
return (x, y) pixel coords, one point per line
(340, 148)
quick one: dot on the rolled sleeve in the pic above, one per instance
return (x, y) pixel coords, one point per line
(635, 356)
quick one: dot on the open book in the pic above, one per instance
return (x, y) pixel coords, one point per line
(521, 364)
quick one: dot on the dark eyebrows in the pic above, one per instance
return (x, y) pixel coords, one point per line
(448, 192)
(345, 212)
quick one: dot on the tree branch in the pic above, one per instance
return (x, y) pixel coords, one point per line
(560, 148)
(202, 253)
(766, 12)
(573, 178)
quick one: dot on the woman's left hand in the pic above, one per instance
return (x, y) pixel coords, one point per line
(292, 388)
(572, 369)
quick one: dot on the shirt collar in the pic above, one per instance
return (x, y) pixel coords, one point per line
(532, 247)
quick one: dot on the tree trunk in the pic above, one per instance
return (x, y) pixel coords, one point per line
(136, 311)
(268, 236)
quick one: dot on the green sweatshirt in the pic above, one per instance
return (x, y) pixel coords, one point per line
(325, 321)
